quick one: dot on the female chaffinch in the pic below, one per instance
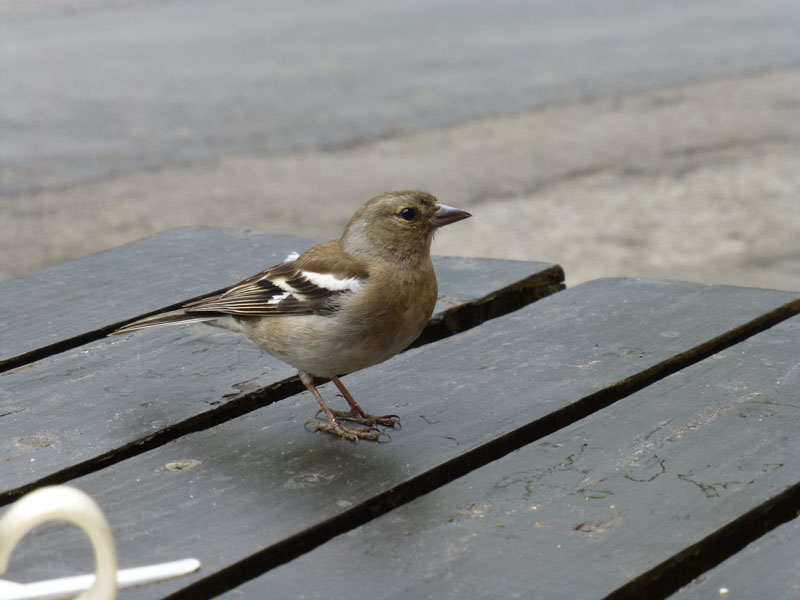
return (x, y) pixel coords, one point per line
(342, 305)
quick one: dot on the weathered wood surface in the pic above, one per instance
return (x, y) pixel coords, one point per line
(77, 410)
(79, 297)
(80, 301)
(767, 568)
(261, 490)
(583, 512)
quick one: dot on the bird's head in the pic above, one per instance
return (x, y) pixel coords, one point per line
(397, 225)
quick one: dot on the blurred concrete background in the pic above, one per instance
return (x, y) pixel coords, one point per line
(615, 138)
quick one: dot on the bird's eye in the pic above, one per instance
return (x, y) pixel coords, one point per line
(409, 214)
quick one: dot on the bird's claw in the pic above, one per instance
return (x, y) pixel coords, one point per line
(352, 434)
(392, 421)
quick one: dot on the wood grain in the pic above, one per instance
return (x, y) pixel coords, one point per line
(264, 490)
(98, 403)
(766, 568)
(600, 504)
(78, 302)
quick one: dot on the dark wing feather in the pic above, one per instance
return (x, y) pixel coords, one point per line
(310, 284)
(280, 290)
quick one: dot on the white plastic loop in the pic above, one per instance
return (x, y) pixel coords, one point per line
(64, 503)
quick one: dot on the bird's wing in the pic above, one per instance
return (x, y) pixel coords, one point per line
(294, 287)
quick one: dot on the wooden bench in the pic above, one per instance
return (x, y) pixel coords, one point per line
(617, 439)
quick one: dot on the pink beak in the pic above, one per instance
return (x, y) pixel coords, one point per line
(445, 215)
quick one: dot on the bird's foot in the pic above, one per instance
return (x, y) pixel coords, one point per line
(350, 433)
(366, 419)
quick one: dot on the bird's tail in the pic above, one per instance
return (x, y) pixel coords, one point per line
(173, 317)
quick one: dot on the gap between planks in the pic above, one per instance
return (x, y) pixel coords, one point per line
(460, 318)
(679, 570)
(659, 582)
(86, 338)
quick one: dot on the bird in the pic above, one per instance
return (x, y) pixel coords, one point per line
(340, 306)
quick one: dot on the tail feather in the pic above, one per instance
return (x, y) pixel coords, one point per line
(174, 317)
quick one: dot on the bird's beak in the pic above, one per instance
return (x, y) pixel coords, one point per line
(445, 215)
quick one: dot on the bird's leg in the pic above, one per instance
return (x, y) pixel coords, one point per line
(334, 425)
(357, 414)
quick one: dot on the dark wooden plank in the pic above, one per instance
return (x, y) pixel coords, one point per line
(79, 301)
(582, 512)
(67, 301)
(261, 489)
(95, 403)
(767, 568)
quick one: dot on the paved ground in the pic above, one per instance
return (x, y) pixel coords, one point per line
(664, 143)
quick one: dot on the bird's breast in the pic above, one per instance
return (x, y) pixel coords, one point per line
(366, 328)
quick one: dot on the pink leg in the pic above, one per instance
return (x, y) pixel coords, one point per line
(357, 413)
(334, 425)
